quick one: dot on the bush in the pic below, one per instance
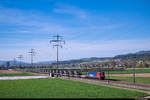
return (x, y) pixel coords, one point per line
(142, 65)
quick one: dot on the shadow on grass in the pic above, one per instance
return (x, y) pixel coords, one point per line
(113, 79)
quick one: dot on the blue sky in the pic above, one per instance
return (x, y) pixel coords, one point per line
(91, 28)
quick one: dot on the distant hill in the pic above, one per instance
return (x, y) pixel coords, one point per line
(73, 61)
(2, 62)
(143, 52)
(45, 62)
(12, 63)
(141, 55)
(24, 63)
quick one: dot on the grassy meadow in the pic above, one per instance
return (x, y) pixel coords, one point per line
(58, 88)
(129, 71)
(138, 80)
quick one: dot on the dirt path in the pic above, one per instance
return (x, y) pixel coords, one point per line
(130, 75)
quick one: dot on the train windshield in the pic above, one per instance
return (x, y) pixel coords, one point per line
(101, 73)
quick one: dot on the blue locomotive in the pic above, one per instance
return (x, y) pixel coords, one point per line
(99, 75)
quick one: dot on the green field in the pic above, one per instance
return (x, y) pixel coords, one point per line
(139, 80)
(58, 88)
(19, 74)
(130, 71)
(125, 71)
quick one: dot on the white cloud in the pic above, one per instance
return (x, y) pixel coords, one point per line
(71, 10)
(20, 21)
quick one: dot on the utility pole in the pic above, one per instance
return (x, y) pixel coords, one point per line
(20, 57)
(57, 43)
(32, 52)
(7, 65)
(133, 65)
(14, 62)
(108, 73)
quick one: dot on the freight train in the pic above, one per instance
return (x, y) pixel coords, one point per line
(94, 75)
(69, 73)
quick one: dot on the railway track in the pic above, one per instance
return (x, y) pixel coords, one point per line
(111, 82)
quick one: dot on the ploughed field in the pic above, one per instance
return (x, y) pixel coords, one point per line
(4, 73)
(59, 88)
(9, 72)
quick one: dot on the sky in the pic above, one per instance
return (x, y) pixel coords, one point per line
(91, 28)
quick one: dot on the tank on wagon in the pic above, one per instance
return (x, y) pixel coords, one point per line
(98, 75)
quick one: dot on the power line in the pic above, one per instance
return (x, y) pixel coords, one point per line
(57, 43)
(32, 52)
